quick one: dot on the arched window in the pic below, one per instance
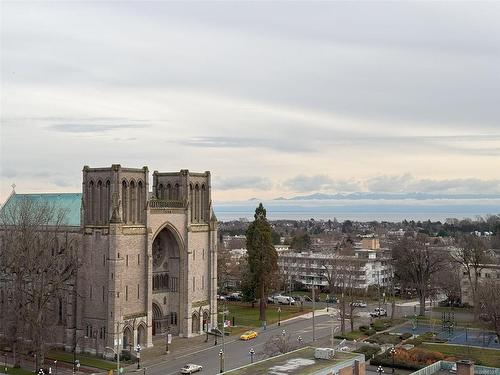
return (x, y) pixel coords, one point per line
(177, 192)
(197, 203)
(203, 203)
(133, 203)
(125, 201)
(160, 193)
(90, 202)
(106, 202)
(169, 191)
(98, 208)
(191, 201)
(140, 202)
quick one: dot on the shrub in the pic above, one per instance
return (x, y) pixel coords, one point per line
(125, 355)
(370, 332)
(368, 350)
(411, 359)
(364, 328)
(384, 338)
(406, 336)
(378, 325)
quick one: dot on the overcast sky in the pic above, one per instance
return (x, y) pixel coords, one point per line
(276, 99)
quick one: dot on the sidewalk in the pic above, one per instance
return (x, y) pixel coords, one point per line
(184, 346)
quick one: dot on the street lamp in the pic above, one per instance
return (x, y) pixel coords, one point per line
(334, 329)
(251, 352)
(138, 350)
(392, 352)
(283, 333)
(55, 365)
(299, 340)
(117, 357)
(74, 353)
(5, 354)
(279, 316)
(380, 370)
(221, 357)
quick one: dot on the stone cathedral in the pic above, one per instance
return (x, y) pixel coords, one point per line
(148, 257)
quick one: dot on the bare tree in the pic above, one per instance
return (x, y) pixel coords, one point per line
(471, 255)
(489, 300)
(37, 264)
(280, 344)
(416, 262)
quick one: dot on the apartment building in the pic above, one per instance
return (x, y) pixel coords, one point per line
(369, 263)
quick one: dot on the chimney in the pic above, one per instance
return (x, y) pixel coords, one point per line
(359, 368)
(465, 367)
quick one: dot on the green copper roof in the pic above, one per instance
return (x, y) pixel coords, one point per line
(71, 203)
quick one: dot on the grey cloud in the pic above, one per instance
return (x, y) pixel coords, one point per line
(8, 172)
(244, 182)
(93, 128)
(400, 62)
(303, 183)
(409, 184)
(288, 144)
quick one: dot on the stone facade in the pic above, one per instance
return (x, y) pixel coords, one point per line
(148, 259)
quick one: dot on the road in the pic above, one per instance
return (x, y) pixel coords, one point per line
(237, 351)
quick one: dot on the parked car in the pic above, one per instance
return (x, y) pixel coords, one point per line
(378, 311)
(234, 297)
(248, 335)
(270, 299)
(285, 300)
(221, 297)
(190, 368)
(331, 299)
(359, 304)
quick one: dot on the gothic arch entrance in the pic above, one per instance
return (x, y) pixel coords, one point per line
(141, 335)
(195, 323)
(205, 320)
(157, 319)
(166, 251)
(128, 338)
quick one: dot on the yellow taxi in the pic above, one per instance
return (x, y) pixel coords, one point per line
(248, 335)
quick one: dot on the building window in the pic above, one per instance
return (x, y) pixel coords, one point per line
(194, 254)
(90, 292)
(126, 260)
(202, 282)
(104, 259)
(194, 283)
(138, 259)
(138, 293)
(173, 318)
(126, 292)
(203, 254)
(164, 300)
(103, 294)
(174, 284)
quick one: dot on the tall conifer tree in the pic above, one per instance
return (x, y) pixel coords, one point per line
(262, 256)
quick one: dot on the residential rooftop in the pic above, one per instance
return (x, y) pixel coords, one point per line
(298, 362)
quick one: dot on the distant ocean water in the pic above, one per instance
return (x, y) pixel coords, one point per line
(363, 210)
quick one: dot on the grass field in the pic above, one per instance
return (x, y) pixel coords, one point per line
(84, 360)
(246, 316)
(18, 371)
(481, 356)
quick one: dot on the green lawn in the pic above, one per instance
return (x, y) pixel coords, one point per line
(85, 360)
(246, 316)
(17, 371)
(481, 356)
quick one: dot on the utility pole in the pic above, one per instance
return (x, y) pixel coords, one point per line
(314, 308)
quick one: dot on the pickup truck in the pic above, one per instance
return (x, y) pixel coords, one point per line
(378, 311)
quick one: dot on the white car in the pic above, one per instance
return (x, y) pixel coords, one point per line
(359, 304)
(377, 312)
(190, 368)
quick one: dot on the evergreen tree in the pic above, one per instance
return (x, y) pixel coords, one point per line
(262, 257)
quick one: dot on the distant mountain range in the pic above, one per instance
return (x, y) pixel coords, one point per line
(387, 196)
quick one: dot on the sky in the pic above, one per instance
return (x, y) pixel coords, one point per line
(276, 99)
